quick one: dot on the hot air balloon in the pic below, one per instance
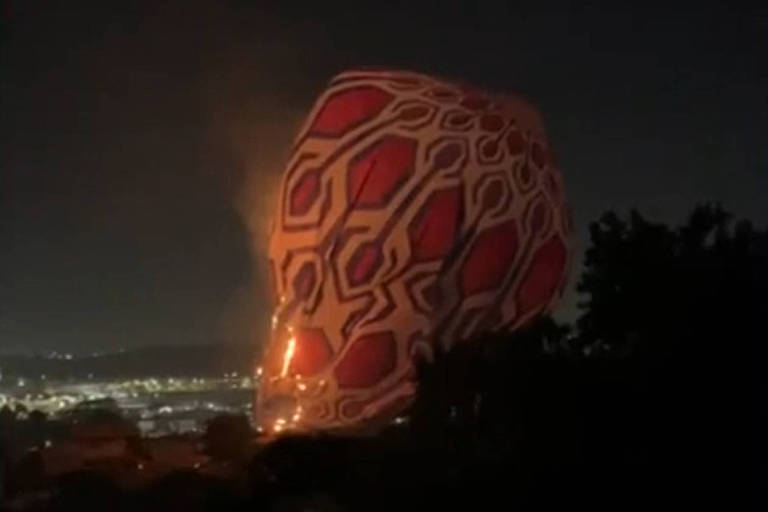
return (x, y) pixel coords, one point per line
(414, 213)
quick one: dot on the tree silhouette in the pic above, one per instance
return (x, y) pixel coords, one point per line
(674, 289)
(653, 393)
(685, 308)
(227, 437)
(7, 417)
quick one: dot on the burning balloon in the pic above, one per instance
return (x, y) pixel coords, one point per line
(414, 213)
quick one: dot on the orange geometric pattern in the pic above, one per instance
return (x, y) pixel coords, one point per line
(414, 214)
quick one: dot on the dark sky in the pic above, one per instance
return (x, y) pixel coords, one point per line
(140, 141)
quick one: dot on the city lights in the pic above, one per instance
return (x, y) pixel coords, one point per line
(170, 404)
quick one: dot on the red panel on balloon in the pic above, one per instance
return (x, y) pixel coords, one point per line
(347, 109)
(434, 230)
(305, 192)
(540, 282)
(364, 262)
(368, 360)
(312, 352)
(515, 142)
(380, 170)
(489, 259)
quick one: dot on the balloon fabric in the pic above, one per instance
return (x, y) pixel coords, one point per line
(414, 214)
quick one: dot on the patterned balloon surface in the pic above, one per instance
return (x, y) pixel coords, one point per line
(414, 213)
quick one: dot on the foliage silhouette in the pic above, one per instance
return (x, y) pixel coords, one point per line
(227, 437)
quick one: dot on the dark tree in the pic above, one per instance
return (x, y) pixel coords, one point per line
(7, 417)
(227, 437)
(37, 418)
(685, 307)
(677, 290)
(652, 396)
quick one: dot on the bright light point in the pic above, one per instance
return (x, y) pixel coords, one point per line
(290, 349)
(301, 386)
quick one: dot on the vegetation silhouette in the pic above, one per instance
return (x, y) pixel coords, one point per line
(227, 437)
(650, 398)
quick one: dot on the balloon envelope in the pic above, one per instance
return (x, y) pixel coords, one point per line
(413, 214)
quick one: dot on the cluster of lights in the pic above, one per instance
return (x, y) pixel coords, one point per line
(282, 424)
(168, 410)
(62, 356)
(43, 402)
(171, 384)
(56, 399)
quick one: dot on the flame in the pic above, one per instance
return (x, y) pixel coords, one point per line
(289, 350)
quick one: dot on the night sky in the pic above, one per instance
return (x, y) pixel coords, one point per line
(141, 141)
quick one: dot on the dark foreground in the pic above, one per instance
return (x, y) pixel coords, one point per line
(655, 400)
(547, 432)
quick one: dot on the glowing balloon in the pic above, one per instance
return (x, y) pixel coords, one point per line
(413, 212)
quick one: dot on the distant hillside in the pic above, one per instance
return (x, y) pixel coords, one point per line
(180, 361)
